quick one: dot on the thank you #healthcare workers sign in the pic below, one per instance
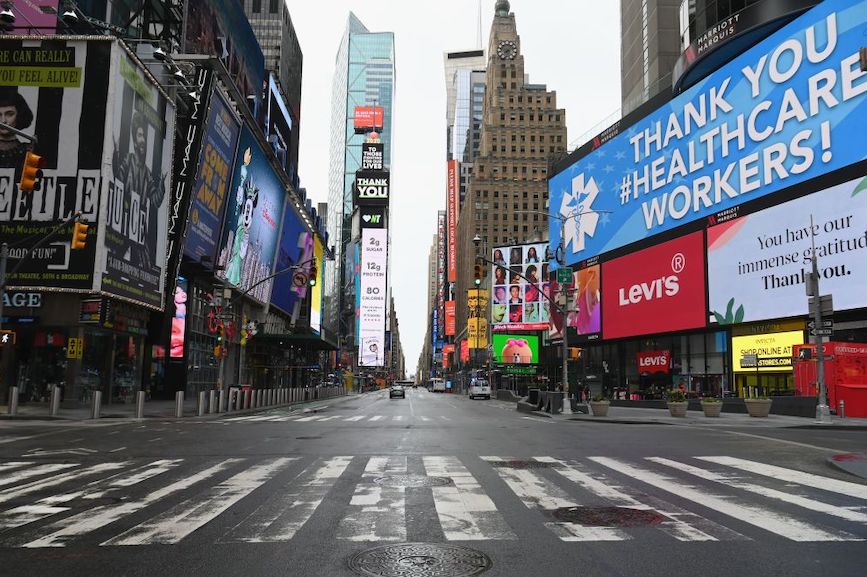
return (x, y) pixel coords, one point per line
(791, 108)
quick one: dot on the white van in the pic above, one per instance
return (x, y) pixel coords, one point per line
(480, 388)
(437, 385)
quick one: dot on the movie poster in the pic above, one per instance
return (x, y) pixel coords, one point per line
(137, 186)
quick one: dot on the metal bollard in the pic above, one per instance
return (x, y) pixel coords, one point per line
(212, 397)
(95, 404)
(233, 400)
(139, 404)
(54, 402)
(221, 401)
(13, 401)
(270, 396)
(842, 409)
(200, 409)
(179, 404)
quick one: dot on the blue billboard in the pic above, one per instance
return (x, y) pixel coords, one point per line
(212, 184)
(254, 208)
(790, 109)
(296, 246)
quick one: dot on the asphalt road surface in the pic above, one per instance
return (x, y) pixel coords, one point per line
(434, 485)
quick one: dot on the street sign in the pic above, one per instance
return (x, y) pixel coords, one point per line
(826, 324)
(821, 332)
(299, 279)
(564, 275)
(826, 305)
(749, 361)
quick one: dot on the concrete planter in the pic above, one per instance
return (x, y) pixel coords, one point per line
(711, 409)
(677, 409)
(599, 408)
(758, 407)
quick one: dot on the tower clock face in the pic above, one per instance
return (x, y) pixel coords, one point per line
(507, 49)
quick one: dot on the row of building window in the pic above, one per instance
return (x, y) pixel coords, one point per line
(520, 117)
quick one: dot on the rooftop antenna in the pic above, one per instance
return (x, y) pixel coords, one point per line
(479, 33)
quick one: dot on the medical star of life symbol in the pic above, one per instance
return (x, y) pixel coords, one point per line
(576, 208)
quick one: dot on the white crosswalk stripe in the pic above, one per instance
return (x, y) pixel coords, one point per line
(139, 502)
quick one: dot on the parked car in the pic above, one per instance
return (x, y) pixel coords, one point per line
(396, 391)
(480, 389)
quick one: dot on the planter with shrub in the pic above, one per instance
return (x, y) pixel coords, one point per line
(711, 406)
(677, 403)
(599, 405)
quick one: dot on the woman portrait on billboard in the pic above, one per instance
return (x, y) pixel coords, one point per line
(500, 275)
(516, 313)
(515, 255)
(532, 274)
(514, 278)
(531, 313)
(531, 293)
(498, 257)
(532, 257)
(14, 112)
(498, 313)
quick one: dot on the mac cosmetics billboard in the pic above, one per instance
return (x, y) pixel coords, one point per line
(789, 109)
(655, 290)
(758, 263)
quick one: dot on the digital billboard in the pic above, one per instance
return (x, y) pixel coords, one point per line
(49, 103)
(773, 351)
(787, 110)
(452, 202)
(137, 213)
(372, 156)
(366, 118)
(658, 289)
(374, 259)
(316, 290)
(758, 263)
(583, 301)
(517, 304)
(516, 349)
(36, 17)
(441, 268)
(212, 183)
(450, 318)
(371, 187)
(253, 209)
(179, 320)
(285, 295)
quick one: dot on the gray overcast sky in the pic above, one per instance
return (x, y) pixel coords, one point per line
(573, 46)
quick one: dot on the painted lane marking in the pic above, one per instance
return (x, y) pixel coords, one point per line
(286, 512)
(376, 512)
(64, 530)
(355, 418)
(376, 418)
(543, 495)
(792, 476)
(466, 513)
(59, 480)
(760, 517)
(736, 481)
(398, 417)
(19, 476)
(425, 418)
(184, 518)
(307, 419)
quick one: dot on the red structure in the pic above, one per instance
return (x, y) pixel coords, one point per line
(845, 374)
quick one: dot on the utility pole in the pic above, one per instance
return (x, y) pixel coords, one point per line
(816, 302)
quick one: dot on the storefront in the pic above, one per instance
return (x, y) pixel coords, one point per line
(762, 361)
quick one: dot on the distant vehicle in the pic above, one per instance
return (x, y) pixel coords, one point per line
(480, 388)
(437, 385)
(396, 390)
(406, 384)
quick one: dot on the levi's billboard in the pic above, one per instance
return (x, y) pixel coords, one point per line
(654, 361)
(655, 290)
(789, 109)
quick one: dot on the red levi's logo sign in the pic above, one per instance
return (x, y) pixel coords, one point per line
(654, 361)
(655, 290)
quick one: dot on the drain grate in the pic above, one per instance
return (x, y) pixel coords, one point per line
(420, 560)
(516, 464)
(609, 516)
(412, 481)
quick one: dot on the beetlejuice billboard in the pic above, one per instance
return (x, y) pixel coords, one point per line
(791, 108)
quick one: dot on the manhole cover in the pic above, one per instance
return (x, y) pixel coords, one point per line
(412, 481)
(521, 464)
(420, 560)
(609, 516)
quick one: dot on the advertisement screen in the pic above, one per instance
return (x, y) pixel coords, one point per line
(516, 349)
(465, 351)
(450, 318)
(253, 209)
(221, 27)
(293, 249)
(374, 256)
(773, 352)
(138, 201)
(757, 264)
(368, 117)
(53, 111)
(583, 301)
(372, 155)
(517, 304)
(441, 268)
(179, 321)
(36, 17)
(372, 216)
(787, 110)
(316, 291)
(452, 184)
(212, 185)
(658, 289)
(371, 187)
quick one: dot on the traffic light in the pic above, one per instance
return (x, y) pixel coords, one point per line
(79, 236)
(478, 275)
(31, 172)
(311, 280)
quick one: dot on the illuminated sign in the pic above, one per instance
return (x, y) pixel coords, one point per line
(374, 259)
(773, 351)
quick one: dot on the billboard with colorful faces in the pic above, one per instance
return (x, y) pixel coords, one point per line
(253, 210)
(517, 279)
(789, 109)
(658, 289)
(758, 263)
(516, 349)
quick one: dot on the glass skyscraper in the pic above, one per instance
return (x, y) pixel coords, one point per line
(363, 76)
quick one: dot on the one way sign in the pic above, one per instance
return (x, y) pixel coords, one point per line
(826, 324)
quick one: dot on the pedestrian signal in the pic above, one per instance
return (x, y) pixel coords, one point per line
(79, 236)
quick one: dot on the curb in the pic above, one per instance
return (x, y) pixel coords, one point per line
(851, 463)
(618, 421)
